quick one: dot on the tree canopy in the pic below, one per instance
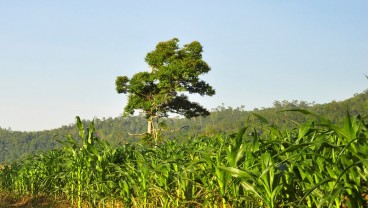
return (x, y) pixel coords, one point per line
(174, 72)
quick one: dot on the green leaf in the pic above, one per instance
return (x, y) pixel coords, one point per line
(308, 192)
(304, 129)
(252, 188)
(237, 173)
(80, 127)
(239, 137)
(306, 112)
(263, 119)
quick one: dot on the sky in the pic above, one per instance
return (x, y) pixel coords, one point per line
(60, 59)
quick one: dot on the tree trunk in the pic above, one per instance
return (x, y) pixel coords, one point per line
(150, 126)
(151, 131)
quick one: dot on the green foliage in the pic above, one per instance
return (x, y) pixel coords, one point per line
(15, 145)
(317, 164)
(174, 71)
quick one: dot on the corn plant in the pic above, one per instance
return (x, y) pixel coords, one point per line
(316, 164)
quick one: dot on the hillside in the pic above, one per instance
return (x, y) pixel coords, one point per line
(15, 144)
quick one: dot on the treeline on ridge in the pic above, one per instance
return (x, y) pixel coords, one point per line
(15, 145)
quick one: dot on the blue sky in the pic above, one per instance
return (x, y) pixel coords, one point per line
(59, 59)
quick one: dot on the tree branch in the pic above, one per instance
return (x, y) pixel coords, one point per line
(141, 134)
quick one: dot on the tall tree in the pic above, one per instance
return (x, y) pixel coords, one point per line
(174, 72)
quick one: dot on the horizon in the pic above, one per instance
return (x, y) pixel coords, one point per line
(211, 110)
(60, 60)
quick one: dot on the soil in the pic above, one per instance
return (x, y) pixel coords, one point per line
(7, 201)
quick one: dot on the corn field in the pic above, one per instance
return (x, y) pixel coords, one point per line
(316, 164)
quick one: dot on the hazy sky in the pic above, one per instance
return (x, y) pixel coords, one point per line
(59, 59)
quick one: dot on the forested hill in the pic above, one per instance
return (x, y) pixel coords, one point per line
(15, 144)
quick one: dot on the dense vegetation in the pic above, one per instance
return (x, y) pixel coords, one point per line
(174, 72)
(15, 145)
(316, 164)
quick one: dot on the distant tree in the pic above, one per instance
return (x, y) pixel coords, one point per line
(174, 71)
